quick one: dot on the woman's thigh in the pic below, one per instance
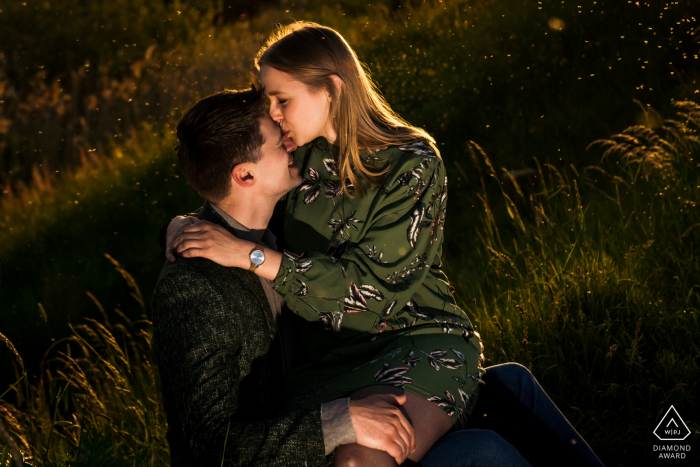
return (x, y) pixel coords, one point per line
(429, 422)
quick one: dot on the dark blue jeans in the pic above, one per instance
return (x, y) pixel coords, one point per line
(514, 423)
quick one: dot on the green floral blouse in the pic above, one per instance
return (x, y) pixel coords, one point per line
(372, 264)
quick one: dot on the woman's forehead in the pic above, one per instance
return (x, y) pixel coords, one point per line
(278, 82)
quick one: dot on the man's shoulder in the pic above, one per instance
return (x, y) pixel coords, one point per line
(201, 275)
(200, 268)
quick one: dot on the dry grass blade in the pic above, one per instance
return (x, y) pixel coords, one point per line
(13, 446)
(10, 346)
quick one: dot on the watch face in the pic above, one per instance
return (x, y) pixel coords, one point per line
(257, 257)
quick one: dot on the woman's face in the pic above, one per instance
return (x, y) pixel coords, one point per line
(301, 112)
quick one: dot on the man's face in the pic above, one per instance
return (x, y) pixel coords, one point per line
(275, 171)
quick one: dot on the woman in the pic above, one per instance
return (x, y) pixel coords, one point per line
(364, 236)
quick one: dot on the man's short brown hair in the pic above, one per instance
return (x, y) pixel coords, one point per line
(217, 133)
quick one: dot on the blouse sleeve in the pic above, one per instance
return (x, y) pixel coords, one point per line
(363, 283)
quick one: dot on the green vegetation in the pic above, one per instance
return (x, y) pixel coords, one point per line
(583, 268)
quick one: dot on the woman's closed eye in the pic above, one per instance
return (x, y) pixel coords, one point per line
(282, 101)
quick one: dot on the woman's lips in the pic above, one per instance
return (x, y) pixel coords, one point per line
(288, 142)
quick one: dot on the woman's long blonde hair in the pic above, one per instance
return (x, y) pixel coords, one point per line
(362, 119)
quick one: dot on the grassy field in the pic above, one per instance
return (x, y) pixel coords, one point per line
(582, 267)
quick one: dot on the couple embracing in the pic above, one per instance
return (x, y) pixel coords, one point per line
(336, 339)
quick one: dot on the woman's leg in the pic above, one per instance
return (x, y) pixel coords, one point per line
(429, 422)
(514, 405)
(473, 448)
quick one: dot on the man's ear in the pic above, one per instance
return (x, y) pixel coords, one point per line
(337, 82)
(242, 176)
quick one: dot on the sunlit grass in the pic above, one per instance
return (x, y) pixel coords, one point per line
(583, 269)
(96, 400)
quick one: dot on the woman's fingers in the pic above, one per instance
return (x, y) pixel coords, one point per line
(405, 425)
(405, 437)
(191, 243)
(192, 253)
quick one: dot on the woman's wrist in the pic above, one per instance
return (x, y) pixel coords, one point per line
(271, 266)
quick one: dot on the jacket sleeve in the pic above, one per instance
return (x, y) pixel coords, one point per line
(198, 349)
(366, 282)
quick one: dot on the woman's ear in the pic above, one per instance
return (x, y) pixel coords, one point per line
(337, 82)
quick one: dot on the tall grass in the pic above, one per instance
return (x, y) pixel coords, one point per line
(589, 276)
(96, 400)
(591, 282)
(583, 269)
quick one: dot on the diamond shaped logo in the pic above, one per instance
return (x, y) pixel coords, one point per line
(672, 427)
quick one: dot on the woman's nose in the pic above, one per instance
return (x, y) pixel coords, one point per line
(275, 113)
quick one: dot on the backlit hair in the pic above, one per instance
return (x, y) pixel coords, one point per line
(362, 119)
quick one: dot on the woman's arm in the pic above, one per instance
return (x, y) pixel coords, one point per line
(360, 285)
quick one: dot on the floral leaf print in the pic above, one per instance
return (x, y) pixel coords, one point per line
(414, 310)
(375, 256)
(370, 293)
(446, 328)
(460, 355)
(303, 266)
(311, 185)
(435, 359)
(333, 189)
(293, 256)
(313, 173)
(356, 301)
(331, 321)
(303, 290)
(355, 293)
(450, 397)
(411, 360)
(311, 196)
(460, 417)
(433, 362)
(345, 224)
(416, 225)
(331, 166)
(421, 148)
(395, 376)
(388, 308)
(393, 353)
(443, 403)
(465, 397)
(449, 363)
(336, 250)
(402, 278)
(467, 333)
(354, 305)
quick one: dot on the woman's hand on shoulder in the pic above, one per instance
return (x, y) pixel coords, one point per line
(174, 230)
(208, 240)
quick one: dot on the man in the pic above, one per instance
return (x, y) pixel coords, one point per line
(216, 337)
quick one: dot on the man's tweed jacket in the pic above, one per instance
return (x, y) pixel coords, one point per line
(220, 366)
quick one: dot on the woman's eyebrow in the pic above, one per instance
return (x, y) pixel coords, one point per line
(273, 93)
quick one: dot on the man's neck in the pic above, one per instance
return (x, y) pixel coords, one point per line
(252, 212)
